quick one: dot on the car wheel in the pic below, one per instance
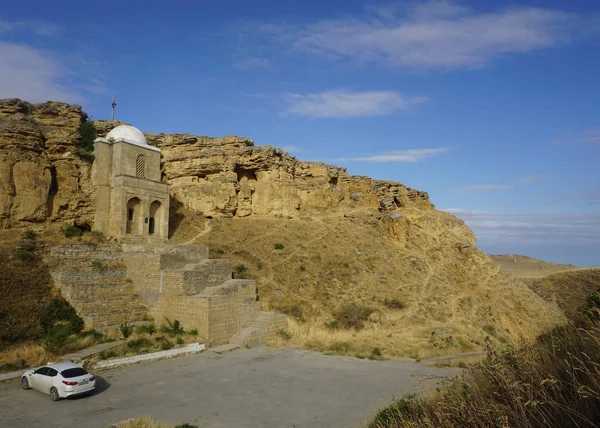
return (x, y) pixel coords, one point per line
(24, 383)
(54, 394)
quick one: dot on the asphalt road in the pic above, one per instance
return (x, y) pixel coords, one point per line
(245, 388)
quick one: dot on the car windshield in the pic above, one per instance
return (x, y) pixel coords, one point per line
(74, 372)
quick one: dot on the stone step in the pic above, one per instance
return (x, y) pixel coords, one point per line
(232, 286)
(266, 325)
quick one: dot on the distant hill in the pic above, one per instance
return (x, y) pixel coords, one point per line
(528, 267)
(569, 290)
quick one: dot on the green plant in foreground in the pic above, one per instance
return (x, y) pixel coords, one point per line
(278, 246)
(126, 329)
(172, 328)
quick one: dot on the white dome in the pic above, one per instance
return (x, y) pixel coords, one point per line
(129, 134)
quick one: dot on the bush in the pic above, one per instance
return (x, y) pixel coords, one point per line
(353, 315)
(180, 340)
(395, 304)
(138, 345)
(126, 329)
(332, 325)
(95, 334)
(58, 311)
(165, 344)
(87, 135)
(284, 334)
(193, 332)
(278, 246)
(29, 235)
(172, 328)
(376, 354)
(72, 231)
(240, 271)
(149, 329)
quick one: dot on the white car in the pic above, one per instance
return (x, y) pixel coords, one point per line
(60, 380)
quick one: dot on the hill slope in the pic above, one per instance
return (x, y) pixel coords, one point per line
(528, 267)
(417, 281)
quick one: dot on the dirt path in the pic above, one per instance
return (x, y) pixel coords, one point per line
(207, 229)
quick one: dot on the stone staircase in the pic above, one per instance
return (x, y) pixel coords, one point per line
(264, 326)
(110, 284)
(93, 278)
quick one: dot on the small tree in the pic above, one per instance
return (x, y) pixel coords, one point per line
(87, 135)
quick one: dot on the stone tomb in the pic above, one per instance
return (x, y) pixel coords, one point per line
(132, 201)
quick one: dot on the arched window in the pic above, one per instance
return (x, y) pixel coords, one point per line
(140, 166)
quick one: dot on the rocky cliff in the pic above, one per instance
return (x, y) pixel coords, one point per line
(312, 235)
(42, 179)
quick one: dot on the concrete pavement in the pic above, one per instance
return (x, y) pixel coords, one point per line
(255, 387)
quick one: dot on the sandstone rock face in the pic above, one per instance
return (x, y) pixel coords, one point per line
(232, 177)
(40, 178)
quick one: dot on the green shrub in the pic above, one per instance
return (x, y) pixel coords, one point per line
(25, 256)
(126, 329)
(302, 268)
(59, 310)
(376, 354)
(172, 328)
(56, 336)
(240, 271)
(87, 135)
(259, 266)
(332, 325)
(180, 340)
(29, 235)
(166, 344)
(139, 344)
(72, 231)
(278, 246)
(95, 334)
(284, 334)
(149, 329)
(353, 315)
(193, 332)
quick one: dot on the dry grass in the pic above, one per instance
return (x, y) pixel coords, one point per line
(568, 290)
(554, 382)
(141, 422)
(329, 260)
(528, 267)
(32, 353)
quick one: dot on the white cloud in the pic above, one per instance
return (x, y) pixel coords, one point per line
(246, 63)
(33, 75)
(529, 227)
(532, 178)
(433, 35)
(484, 187)
(39, 28)
(562, 238)
(344, 103)
(399, 156)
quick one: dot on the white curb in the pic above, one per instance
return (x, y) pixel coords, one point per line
(119, 362)
(11, 375)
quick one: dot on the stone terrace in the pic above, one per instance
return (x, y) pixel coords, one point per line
(112, 283)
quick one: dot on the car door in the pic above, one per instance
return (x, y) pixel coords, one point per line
(50, 378)
(36, 379)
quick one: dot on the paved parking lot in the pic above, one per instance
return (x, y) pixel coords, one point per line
(246, 388)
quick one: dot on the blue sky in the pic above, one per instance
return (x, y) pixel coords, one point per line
(491, 107)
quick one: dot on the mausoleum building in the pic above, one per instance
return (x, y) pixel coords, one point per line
(131, 198)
